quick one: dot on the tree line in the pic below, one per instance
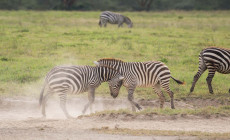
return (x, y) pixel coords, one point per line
(115, 5)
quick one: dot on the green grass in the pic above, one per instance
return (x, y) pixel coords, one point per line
(144, 132)
(205, 111)
(32, 42)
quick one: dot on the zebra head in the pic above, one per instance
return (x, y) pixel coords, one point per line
(116, 81)
(128, 22)
(115, 85)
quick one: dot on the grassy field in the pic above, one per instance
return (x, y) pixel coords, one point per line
(32, 42)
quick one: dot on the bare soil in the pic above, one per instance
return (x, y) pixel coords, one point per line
(20, 118)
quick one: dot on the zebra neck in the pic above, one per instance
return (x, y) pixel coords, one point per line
(120, 67)
(124, 67)
(105, 74)
(127, 21)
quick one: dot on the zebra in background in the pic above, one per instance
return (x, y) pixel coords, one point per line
(78, 79)
(214, 59)
(142, 74)
(114, 18)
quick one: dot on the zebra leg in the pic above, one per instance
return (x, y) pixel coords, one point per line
(103, 22)
(63, 104)
(157, 89)
(44, 101)
(201, 70)
(171, 94)
(120, 25)
(100, 24)
(130, 98)
(211, 74)
(91, 97)
(165, 86)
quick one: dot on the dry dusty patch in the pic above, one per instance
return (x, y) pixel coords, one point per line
(20, 118)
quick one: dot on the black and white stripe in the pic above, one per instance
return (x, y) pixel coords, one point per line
(215, 60)
(78, 79)
(114, 18)
(142, 74)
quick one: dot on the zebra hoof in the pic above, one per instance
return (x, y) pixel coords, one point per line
(189, 93)
(139, 108)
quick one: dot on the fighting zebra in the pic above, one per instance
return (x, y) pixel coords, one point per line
(114, 18)
(214, 59)
(78, 79)
(142, 74)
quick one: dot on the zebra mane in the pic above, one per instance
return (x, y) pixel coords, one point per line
(111, 59)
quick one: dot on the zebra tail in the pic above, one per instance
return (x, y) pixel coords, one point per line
(178, 81)
(99, 22)
(41, 94)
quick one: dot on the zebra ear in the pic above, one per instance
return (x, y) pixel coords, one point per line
(121, 77)
(96, 63)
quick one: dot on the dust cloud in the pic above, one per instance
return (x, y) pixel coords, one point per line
(22, 108)
(23, 102)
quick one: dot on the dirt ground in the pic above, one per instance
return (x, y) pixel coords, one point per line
(20, 118)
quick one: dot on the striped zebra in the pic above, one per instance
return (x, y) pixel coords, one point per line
(215, 60)
(114, 18)
(142, 74)
(78, 79)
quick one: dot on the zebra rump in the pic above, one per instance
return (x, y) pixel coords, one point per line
(213, 59)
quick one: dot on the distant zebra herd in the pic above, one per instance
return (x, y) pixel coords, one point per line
(63, 80)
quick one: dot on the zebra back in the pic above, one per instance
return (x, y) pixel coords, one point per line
(143, 73)
(218, 58)
(75, 78)
(78, 78)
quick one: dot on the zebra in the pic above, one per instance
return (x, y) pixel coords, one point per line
(78, 79)
(142, 74)
(215, 60)
(114, 18)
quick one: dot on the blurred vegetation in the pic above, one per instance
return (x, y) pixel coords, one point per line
(115, 5)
